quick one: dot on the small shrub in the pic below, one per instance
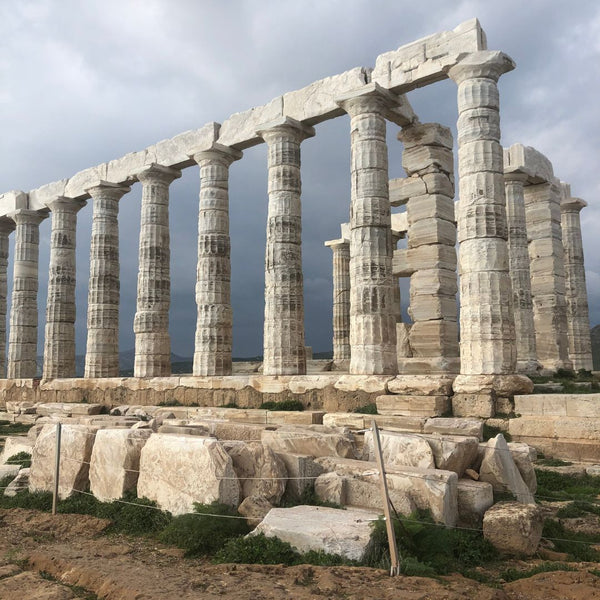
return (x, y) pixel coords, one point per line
(289, 405)
(595, 572)
(490, 432)
(22, 458)
(565, 374)
(577, 545)
(24, 499)
(229, 405)
(257, 549)
(170, 402)
(553, 462)
(546, 567)
(367, 409)
(8, 428)
(200, 533)
(567, 487)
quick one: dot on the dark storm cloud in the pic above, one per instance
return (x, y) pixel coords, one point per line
(85, 82)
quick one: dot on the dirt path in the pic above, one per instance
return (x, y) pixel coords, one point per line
(65, 557)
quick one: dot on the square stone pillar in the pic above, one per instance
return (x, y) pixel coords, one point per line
(578, 318)
(284, 352)
(151, 323)
(59, 346)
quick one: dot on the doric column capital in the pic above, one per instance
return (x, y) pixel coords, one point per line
(337, 244)
(106, 188)
(372, 98)
(516, 177)
(156, 173)
(486, 64)
(218, 153)
(7, 225)
(287, 128)
(62, 203)
(572, 205)
(26, 216)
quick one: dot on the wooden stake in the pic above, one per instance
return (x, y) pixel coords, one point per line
(56, 468)
(395, 562)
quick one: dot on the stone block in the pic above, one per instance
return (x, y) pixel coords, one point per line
(18, 484)
(421, 385)
(75, 453)
(403, 348)
(177, 471)
(499, 469)
(453, 453)
(473, 405)
(474, 499)
(283, 417)
(400, 423)
(9, 470)
(400, 450)
(431, 307)
(513, 528)
(245, 432)
(433, 281)
(115, 462)
(455, 426)
(329, 530)
(436, 256)
(416, 159)
(13, 445)
(431, 231)
(542, 426)
(301, 470)
(426, 134)
(402, 189)
(434, 338)
(524, 455)
(372, 384)
(330, 487)
(430, 365)
(408, 406)
(429, 206)
(310, 442)
(255, 509)
(340, 419)
(503, 385)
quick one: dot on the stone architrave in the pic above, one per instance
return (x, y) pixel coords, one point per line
(6, 228)
(22, 341)
(372, 312)
(341, 300)
(284, 352)
(518, 257)
(578, 318)
(102, 353)
(212, 353)
(487, 329)
(59, 347)
(547, 265)
(151, 323)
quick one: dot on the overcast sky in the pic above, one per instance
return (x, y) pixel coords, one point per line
(83, 82)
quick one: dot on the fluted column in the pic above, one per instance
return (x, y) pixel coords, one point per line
(341, 299)
(212, 353)
(547, 265)
(6, 228)
(102, 353)
(151, 323)
(372, 306)
(22, 340)
(487, 328)
(284, 352)
(578, 318)
(59, 346)
(520, 274)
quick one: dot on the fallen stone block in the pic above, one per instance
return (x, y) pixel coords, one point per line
(399, 423)
(68, 409)
(330, 487)
(115, 462)
(21, 407)
(14, 445)
(244, 432)
(301, 470)
(513, 528)
(400, 450)
(341, 419)
(75, 453)
(260, 471)
(421, 385)
(310, 442)
(330, 530)
(522, 455)
(473, 405)
(9, 470)
(499, 469)
(453, 453)
(451, 426)
(178, 470)
(292, 417)
(474, 499)
(18, 484)
(255, 509)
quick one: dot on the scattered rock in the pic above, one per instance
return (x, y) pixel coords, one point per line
(513, 528)
(255, 509)
(400, 450)
(18, 484)
(474, 499)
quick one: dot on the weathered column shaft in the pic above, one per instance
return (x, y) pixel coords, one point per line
(487, 329)
(212, 353)
(151, 323)
(341, 300)
(22, 341)
(547, 265)
(372, 312)
(6, 227)
(284, 352)
(520, 274)
(59, 346)
(578, 318)
(102, 353)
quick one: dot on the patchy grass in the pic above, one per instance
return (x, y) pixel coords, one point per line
(579, 546)
(8, 428)
(367, 409)
(490, 432)
(577, 509)
(545, 567)
(22, 458)
(553, 462)
(289, 405)
(559, 486)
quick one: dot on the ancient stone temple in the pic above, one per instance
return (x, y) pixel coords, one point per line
(495, 259)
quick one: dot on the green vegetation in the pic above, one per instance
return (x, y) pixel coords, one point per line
(553, 462)
(290, 405)
(367, 409)
(579, 546)
(577, 509)
(569, 380)
(8, 428)
(78, 591)
(560, 486)
(490, 432)
(201, 534)
(545, 567)
(22, 458)
(170, 402)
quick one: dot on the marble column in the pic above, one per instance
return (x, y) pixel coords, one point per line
(284, 352)
(59, 345)
(22, 340)
(487, 328)
(102, 353)
(547, 266)
(372, 310)
(7, 226)
(341, 300)
(151, 322)
(578, 318)
(212, 353)
(520, 275)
